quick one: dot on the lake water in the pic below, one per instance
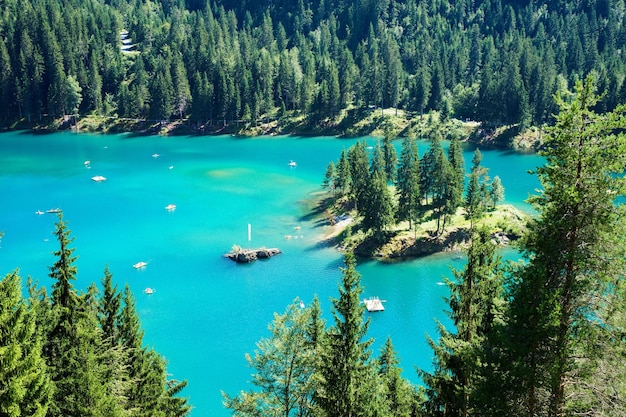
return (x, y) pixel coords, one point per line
(206, 312)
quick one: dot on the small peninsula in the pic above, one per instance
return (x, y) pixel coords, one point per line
(386, 206)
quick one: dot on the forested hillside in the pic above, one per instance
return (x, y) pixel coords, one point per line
(498, 61)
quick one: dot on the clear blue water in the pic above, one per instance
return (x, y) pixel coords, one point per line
(207, 312)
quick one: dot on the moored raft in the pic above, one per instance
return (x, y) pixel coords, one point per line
(374, 304)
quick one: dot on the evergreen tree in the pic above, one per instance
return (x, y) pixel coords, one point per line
(377, 164)
(397, 389)
(342, 179)
(576, 259)
(496, 191)
(378, 208)
(109, 309)
(359, 173)
(408, 182)
(345, 374)
(329, 177)
(390, 157)
(25, 388)
(474, 198)
(475, 300)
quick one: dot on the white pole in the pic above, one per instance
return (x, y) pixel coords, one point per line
(249, 232)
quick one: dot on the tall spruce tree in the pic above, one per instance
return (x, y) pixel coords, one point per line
(347, 380)
(359, 173)
(398, 391)
(408, 182)
(576, 252)
(25, 388)
(475, 301)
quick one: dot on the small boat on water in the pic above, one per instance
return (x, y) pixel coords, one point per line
(292, 163)
(39, 212)
(170, 207)
(87, 164)
(52, 211)
(155, 155)
(140, 265)
(148, 291)
(99, 178)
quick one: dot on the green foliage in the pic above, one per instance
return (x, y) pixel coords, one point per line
(77, 354)
(460, 363)
(25, 388)
(284, 365)
(408, 182)
(497, 62)
(575, 251)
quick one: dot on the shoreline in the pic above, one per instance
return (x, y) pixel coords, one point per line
(353, 122)
(402, 244)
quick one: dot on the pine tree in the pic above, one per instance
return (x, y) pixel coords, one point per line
(408, 182)
(342, 179)
(345, 375)
(329, 177)
(109, 309)
(390, 157)
(25, 388)
(359, 173)
(576, 258)
(474, 198)
(397, 389)
(475, 300)
(377, 209)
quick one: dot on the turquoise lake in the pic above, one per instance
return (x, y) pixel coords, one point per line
(206, 312)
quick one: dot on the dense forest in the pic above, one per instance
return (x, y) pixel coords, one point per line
(494, 61)
(542, 337)
(82, 355)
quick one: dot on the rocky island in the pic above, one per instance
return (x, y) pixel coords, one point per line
(241, 255)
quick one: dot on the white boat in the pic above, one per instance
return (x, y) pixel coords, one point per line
(155, 155)
(292, 163)
(99, 178)
(39, 212)
(52, 211)
(140, 265)
(148, 290)
(87, 164)
(170, 207)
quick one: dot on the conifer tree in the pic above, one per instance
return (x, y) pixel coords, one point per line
(342, 179)
(390, 157)
(109, 309)
(346, 378)
(576, 253)
(474, 198)
(25, 388)
(408, 182)
(329, 177)
(377, 209)
(397, 389)
(475, 299)
(359, 173)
